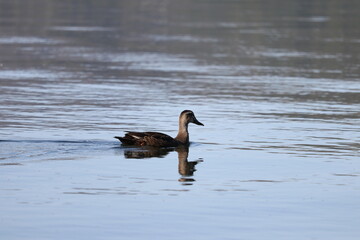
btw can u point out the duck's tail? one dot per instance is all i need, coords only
(125, 140)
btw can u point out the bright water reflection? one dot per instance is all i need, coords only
(276, 85)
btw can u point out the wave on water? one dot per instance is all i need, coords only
(14, 152)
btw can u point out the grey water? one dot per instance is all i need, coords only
(276, 84)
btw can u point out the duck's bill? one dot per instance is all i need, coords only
(197, 122)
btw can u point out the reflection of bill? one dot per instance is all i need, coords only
(186, 169)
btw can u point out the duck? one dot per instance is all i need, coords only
(156, 139)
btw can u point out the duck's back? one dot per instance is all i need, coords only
(154, 139)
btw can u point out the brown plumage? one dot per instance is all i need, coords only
(156, 139)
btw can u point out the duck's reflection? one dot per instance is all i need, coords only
(147, 152)
(186, 169)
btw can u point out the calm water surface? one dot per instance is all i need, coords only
(277, 86)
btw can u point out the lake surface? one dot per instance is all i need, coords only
(276, 84)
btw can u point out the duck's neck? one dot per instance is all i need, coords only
(183, 134)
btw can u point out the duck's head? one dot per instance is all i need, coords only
(187, 116)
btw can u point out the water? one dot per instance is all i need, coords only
(276, 85)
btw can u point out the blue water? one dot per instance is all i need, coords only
(276, 86)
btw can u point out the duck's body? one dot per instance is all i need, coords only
(157, 139)
(154, 139)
